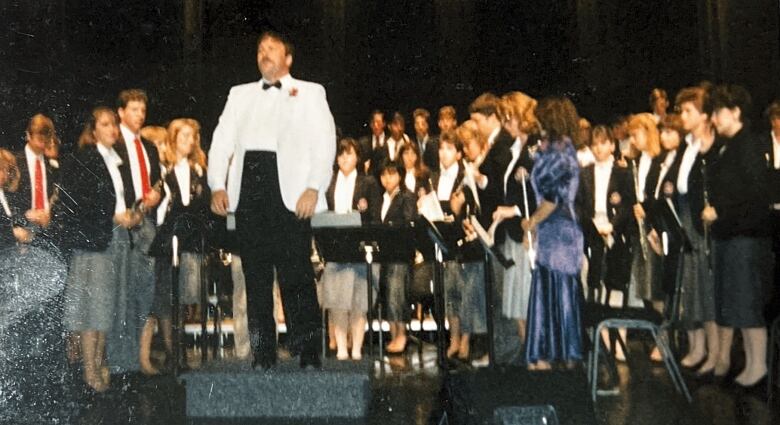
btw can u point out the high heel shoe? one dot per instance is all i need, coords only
(758, 388)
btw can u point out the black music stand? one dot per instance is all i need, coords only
(672, 221)
(490, 252)
(441, 236)
(366, 244)
(175, 309)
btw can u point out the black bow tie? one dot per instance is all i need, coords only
(267, 86)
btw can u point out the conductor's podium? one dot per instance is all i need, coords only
(232, 390)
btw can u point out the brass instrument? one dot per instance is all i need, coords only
(639, 221)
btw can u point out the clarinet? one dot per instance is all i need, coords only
(138, 205)
(640, 222)
(706, 195)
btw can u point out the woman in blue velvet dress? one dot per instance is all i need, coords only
(554, 317)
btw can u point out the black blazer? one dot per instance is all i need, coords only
(22, 198)
(696, 180)
(402, 210)
(189, 223)
(620, 202)
(513, 196)
(649, 204)
(739, 188)
(422, 181)
(497, 160)
(365, 188)
(445, 205)
(766, 149)
(7, 238)
(366, 144)
(379, 154)
(88, 201)
(430, 155)
(154, 163)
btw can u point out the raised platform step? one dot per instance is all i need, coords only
(231, 389)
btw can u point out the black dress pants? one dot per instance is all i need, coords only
(272, 238)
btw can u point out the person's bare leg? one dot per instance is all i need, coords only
(358, 331)
(655, 355)
(755, 354)
(88, 350)
(340, 320)
(465, 346)
(100, 358)
(695, 351)
(725, 339)
(399, 340)
(521, 327)
(331, 334)
(454, 336)
(713, 346)
(145, 347)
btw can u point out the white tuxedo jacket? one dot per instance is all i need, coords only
(295, 120)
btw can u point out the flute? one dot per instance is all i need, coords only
(640, 222)
(531, 250)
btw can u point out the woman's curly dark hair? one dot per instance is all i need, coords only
(558, 118)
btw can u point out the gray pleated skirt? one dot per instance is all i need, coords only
(344, 286)
(697, 290)
(92, 284)
(516, 281)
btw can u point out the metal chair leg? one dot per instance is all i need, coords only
(671, 365)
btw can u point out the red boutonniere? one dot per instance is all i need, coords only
(293, 92)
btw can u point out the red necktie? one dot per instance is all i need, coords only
(38, 203)
(145, 188)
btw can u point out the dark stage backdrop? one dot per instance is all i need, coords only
(62, 58)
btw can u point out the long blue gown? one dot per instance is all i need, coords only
(554, 311)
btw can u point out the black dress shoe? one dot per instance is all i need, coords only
(310, 359)
(758, 388)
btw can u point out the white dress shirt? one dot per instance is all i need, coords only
(602, 171)
(515, 150)
(344, 192)
(182, 170)
(393, 146)
(447, 179)
(776, 150)
(135, 168)
(4, 201)
(303, 136)
(585, 157)
(688, 158)
(387, 199)
(31, 158)
(493, 135)
(113, 161)
(378, 141)
(410, 180)
(645, 161)
(665, 166)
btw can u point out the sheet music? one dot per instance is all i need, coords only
(430, 207)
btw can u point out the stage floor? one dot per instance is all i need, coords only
(409, 392)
